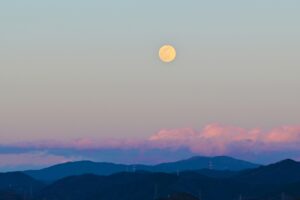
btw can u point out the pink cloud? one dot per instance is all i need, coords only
(284, 134)
(213, 139)
(216, 139)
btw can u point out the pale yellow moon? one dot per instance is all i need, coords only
(167, 53)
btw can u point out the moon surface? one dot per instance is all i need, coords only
(167, 53)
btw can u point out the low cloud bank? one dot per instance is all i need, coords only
(257, 145)
(216, 139)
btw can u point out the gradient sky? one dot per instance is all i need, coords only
(90, 69)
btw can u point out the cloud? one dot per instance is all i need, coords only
(254, 144)
(213, 139)
(216, 139)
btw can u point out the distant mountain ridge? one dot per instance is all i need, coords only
(216, 163)
(276, 181)
(189, 184)
(102, 168)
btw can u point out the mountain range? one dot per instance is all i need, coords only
(100, 168)
(276, 181)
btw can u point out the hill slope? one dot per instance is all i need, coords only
(15, 185)
(136, 186)
(147, 186)
(284, 172)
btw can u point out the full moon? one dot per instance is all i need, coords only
(167, 53)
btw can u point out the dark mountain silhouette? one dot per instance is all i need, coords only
(16, 185)
(84, 167)
(274, 182)
(180, 196)
(125, 186)
(10, 195)
(248, 184)
(284, 172)
(218, 173)
(135, 186)
(149, 186)
(292, 189)
(18, 180)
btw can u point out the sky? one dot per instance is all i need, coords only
(86, 73)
